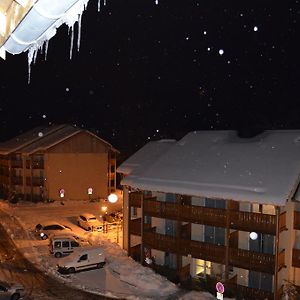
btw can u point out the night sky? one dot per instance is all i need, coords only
(147, 71)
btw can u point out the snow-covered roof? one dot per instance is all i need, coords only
(42, 138)
(145, 156)
(218, 164)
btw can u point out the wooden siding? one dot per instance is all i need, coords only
(82, 142)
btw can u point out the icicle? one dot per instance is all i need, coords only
(72, 39)
(99, 5)
(104, 2)
(79, 32)
(46, 49)
(156, 2)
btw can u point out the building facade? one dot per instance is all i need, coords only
(60, 162)
(248, 239)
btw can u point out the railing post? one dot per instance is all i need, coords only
(227, 233)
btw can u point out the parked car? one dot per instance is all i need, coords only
(60, 245)
(89, 222)
(82, 259)
(46, 229)
(11, 291)
(111, 218)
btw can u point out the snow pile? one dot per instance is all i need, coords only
(132, 272)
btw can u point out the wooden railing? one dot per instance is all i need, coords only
(257, 261)
(16, 163)
(282, 221)
(135, 199)
(248, 293)
(260, 262)
(239, 220)
(296, 258)
(35, 164)
(35, 181)
(297, 220)
(17, 180)
(258, 222)
(135, 226)
(281, 259)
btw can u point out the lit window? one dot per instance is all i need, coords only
(203, 267)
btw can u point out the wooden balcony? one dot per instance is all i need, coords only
(35, 164)
(248, 293)
(297, 220)
(296, 258)
(17, 180)
(135, 199)
(35, 181)
(239, 220)
(16, 163)
(246, 221)
(135, 226)
(260, 262)
(281, 260)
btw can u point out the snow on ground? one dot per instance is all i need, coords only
(121, 277)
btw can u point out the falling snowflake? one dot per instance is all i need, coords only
(40, 134)
(221, 51)
(255, 28)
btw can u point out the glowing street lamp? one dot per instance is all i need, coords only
(112, 198)
(104, 208)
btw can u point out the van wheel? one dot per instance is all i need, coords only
(100, 265)
(71, 270)
(44, 237)
(15, 296)
(58, 255)
(89, 229)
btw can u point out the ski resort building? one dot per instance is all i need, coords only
(216, 206)
(57, 162)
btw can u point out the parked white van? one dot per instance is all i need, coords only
(82, 259)
(61, 245)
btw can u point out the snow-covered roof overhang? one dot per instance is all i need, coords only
(25, 25)
(218, 164)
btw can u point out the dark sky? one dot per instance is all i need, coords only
(147, 71)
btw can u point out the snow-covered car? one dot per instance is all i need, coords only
(112, 218)
(11, 291)
(49, 228)
(89, 222)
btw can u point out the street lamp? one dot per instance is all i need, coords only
(112, 198)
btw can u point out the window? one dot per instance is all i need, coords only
(83, 257)
(259, 280)
(203, 267)
(3, 288)
(57, 244)
(65, 244)
(134, 211)
(214, 235)
(83, 218)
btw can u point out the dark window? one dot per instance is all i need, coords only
(83, 218)
(83, 257)
(3, 289)
(65, 244)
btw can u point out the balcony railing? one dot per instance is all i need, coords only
(135, 226)
(135, 199)
(257, 261)
(297, 220)
(248, 293)
(239, 220)
(16, 163)
(35, 164)
(296, 258)
(17, 180)
(260, 262)
(243, 220)
(35, 181)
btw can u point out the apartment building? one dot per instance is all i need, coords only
(60, 162)
(219, 206)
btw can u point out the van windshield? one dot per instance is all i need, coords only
(92, 219)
